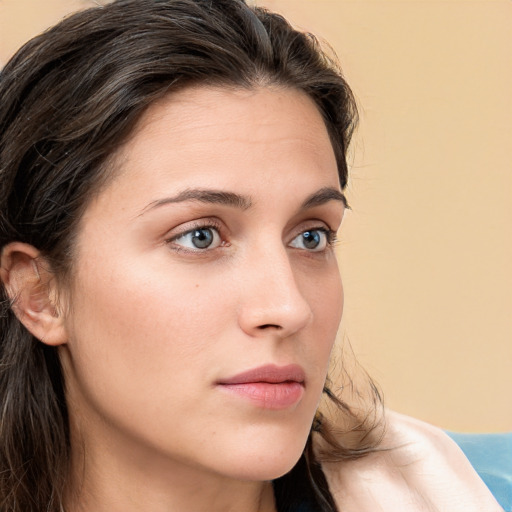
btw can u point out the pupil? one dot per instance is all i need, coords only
(202, 238)
(311, 239)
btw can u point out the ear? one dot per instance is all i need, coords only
(32, 289)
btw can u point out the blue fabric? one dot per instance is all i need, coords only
(491, 456)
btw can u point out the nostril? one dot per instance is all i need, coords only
(269, 326)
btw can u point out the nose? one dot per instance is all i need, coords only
(271, 301)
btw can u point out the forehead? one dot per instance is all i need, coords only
(209, 129)
(267, 144)
(196, 108)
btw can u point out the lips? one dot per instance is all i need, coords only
(269, 387)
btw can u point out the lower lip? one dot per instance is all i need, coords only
(268, 395)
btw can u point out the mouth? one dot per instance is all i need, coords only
(269, 387)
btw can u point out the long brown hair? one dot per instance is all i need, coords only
(69, 98)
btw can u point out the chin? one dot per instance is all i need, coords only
(263, 461)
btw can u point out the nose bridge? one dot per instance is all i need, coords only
(271, 297)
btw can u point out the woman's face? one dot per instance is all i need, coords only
(205, 295)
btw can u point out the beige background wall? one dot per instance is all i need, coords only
(426, 253)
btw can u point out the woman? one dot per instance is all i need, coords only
(172, 179)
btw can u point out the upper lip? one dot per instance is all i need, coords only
(270, 373)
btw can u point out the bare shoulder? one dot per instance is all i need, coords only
(418, 469)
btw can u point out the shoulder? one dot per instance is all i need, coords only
(418, 468)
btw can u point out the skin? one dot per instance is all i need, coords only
(152, 324)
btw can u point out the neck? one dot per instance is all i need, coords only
(94, 497)
(119, 478)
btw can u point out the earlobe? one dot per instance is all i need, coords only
(31, 288)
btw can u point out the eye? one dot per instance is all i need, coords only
(315, 240)
(199, 238)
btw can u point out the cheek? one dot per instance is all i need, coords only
(141, 353)
(136, 330)
(146, 342)
(147, 314)
(324, 294)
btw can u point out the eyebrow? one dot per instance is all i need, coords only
(204, 196)
(210, 196)
(324, 195)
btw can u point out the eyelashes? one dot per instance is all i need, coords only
(314, 240)
(208, 236)
(199, 239)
